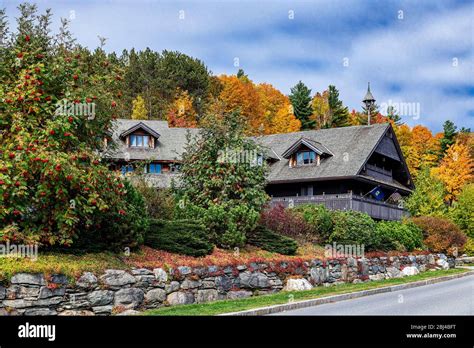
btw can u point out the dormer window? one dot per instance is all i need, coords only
(305, 158)
(139, 141)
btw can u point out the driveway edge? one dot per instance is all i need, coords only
(341, 297)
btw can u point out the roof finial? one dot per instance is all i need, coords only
(369, 101)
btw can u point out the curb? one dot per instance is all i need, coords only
(341, 297)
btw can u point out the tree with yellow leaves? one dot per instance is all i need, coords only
(181, 112)
(139, 111)
(321, 114)
(456, 170)
(285, 121)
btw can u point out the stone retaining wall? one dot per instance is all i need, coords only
(124, 292)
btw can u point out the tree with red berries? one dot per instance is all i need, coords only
(57, 102)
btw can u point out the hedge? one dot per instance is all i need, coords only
(265, 239)
(179, 236)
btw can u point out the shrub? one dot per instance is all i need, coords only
(353, 227)
(469, 247)
(179, 236)
(266, 239)
(159, 202)
(318, 217)
(440, 234)
(287, 222)
(395, 235)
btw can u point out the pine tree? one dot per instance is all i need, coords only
(393, 116)
(339, 114)
(300, 98)
(449, 133)
(374, 111)
(139, 111)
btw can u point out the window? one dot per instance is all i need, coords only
(305, 157)
(127, 169)
(153, 168)
(139, 140)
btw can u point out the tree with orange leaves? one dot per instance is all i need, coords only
(456, 170)
(181, 112)
(425, 149)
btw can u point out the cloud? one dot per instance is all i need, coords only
(424, 57)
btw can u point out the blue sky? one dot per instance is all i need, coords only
(415, 52)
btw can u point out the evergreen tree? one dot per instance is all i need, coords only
(300, 98)
(393, 116)
(374, 111)
(139, 111)
(339, 114)
(449, 135)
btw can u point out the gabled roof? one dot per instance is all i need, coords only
(137, 126)
(317, 147)
(350, 148)
(169, 148)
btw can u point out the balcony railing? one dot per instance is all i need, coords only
(346, 201)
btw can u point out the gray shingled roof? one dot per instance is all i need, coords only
(350, 146)
(169, 147)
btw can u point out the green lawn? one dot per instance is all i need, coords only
(227, 306)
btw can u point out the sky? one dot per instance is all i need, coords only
(417, 55)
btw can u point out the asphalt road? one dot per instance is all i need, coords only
(452, 297)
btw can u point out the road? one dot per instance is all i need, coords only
(453, 297)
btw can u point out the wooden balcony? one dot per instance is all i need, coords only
(346, 201)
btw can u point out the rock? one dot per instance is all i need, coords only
(363, 266)
(40, 311)
(77, 301)
(443, 263)
(129, 298)
(28, 278)
(180, 297)
(3, 292)
(74, 312)
(234, 295)
(141, 271)
(442, 256)
(144, 280)
(184, 270)
(318, 275)
(206, 295)
(422, 268)
(103, 309)
(87, 281)
(275, 282)
(190, 284)
(410, 271)
(19, 291)
(117, 278)
(357, 281)
(155, 296)
(223, 283)
(241, 267)
(129, 312)
(254, 280)
(297, 285)
(172, 287)
(100, 297)
(378, 276)
(393, 272)
(46, 292)
(160, 275)
(431, 259)
(207, 284)
(18, 303)
(59, 279)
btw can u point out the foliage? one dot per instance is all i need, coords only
(300, 98)
(266, 239)
(318, 218)
(290, 223)
(339, 114)
(462, 211)
(179, 236)
(139, 111)
(469, 247)
(449, 135)
(428, 197)
(353, 227)
(221, 183)
(159, 203)
(182, 113)
(456, 170)
(393, 116)
(395, 235)
(440, 234)
(320, 106)
(53, 188)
